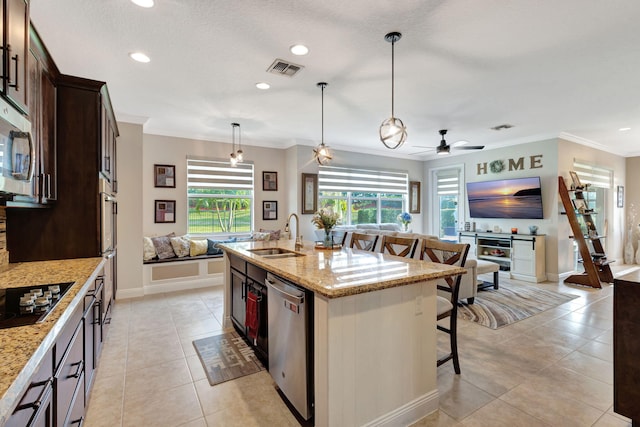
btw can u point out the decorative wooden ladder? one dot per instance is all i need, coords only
(596, 265)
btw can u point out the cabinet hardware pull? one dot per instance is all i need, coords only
(48, 186)
(15, 58)
(36, 404)
(78, 372)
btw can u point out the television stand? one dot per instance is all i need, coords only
(521, 255)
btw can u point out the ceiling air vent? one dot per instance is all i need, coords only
(284, 68)
(502, 127)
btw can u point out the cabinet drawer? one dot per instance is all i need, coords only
(256, 273)
(66, 335)
(238, 263)
(35, 404)
(76, 412)
(69, 374)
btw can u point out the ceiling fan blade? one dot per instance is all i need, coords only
(470, 147)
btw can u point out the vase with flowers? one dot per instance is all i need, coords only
(325, 219)
(405, 219)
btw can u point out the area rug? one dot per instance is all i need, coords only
(226, 357)
(496, 308)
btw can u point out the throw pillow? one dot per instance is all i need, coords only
(180, 245)
(273, 234)
(212, 245)
(148, 250)
(198, 247)
(257, 236)
(163, 246)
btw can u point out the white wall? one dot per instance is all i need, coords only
(174, 151)
(632, 200)
(130, 217)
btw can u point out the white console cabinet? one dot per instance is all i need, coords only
(522, 255)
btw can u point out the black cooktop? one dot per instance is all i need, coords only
(10, 315)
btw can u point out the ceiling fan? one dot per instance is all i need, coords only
(445, 148)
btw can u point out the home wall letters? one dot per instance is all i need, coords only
(497, 166)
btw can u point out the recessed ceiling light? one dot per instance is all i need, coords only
(624, 129)
(140, 57)
(263, 85)
(299, 49)
(143, 3)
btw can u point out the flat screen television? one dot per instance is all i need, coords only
(505, 198)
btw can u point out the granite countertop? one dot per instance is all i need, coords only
(339, 273)
(22, 348)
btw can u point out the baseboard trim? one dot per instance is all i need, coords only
(410, 412)
(129, 293)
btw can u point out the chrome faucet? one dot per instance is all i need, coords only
(288, 230)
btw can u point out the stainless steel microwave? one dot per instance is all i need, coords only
(16, 152)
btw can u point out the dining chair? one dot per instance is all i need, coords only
(451, 254)
(399, 246)
(364, 242)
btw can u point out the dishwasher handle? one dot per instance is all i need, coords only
(279, 288)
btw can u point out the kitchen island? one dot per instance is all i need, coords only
(374, 332)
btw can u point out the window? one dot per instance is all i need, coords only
(220, 197)
(447, 202)
(362, 196)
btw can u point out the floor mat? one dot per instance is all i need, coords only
(226, 357)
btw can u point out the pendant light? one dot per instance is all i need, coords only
(233, 158)
(239, 153)
(322, 153)
(393, 132)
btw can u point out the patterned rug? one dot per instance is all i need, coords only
(226, 357)
(496, 308)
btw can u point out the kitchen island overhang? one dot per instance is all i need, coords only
(374, 330)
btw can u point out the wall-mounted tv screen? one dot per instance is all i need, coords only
(505, 198)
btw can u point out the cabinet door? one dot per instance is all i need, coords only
(16, 44)
(48, 138)
(523, 258)
(35, 407)
(471, 241)
(238, 299)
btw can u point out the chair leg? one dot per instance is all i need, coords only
(471, 300)
(495, 280)
(454, 342)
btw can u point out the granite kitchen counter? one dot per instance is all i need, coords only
(339, 273)
(22, 348)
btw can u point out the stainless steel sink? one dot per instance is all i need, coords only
(275, 253)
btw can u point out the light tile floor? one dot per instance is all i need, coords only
(553, 369)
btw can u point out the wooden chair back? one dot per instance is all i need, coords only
(399, 246)
(364, 242)
(446, 253)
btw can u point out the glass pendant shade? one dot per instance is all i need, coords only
(233, 160)
(322, 153)
(393, 133)
(234, 157)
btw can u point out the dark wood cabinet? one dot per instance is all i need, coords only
(246, 277)
(42, 114)
(15, 51)
(36, 406)
(69, 375)
(72, 228)
(626, 346)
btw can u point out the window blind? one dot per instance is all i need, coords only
(448, 182)
(595, 175)
(215, 174)
(332, 178)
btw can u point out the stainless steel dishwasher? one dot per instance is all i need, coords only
(290, 311)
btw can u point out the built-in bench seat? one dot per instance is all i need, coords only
(172, 274)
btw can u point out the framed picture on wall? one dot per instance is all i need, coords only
(269, 210)
(269, 181)
(164, 176)
(309, 193)
(165, 211)
(414, 197)
(620, 196)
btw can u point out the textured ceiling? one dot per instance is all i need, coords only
(551, 68)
